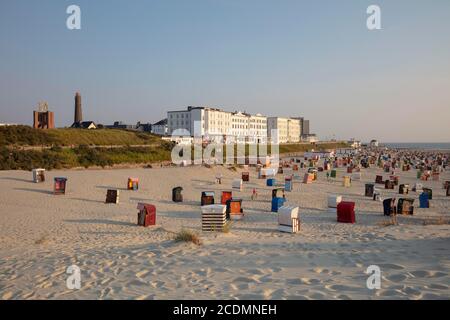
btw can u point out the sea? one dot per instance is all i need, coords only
(418, 145)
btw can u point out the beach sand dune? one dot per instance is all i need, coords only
(42, 234)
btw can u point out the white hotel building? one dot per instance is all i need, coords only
(215, 124)
(288, 129)
(209, 123)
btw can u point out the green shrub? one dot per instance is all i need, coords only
(187, 236)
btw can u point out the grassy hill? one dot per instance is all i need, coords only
(27, 136)
(69, 148)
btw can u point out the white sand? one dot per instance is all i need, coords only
(42, 234)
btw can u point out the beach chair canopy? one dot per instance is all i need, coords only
(277, 192)
(405, 206)
(389, 206)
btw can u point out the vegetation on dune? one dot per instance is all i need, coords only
(187, 236)
(27, 136)
(24, 136)
(70, 148)
(102, 137)
(27, 160)
(305, 147)
(82, 156)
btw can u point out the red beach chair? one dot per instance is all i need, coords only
(346, 212)
(146, 215)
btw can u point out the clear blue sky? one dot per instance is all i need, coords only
(134, 60)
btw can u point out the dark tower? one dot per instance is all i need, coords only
(78, 113)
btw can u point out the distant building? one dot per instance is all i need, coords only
(145, 127)
(305, 127)
(42, 118)
(85, 125)
(210, 123)
(345, 152)
(257, 129)
(294, 130)
(305, 133)
(121, 125)
(78, 117)
(160, 128)
(237, 127)
(374, 143)
(312, 138)
(288, 129)
(354, 143)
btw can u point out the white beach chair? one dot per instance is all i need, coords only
(214, 217)
(237, 184)
(288, 219)
(334, 200)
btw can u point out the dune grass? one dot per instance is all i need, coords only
(436, 221)
(187, 236)
(82, 156)
(27, 136)
(21, 148)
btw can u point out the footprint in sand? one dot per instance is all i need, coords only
(293, 282)
(201, 272)
(388, 293)
(106, 281)
(437, 286)
(391, 266)
(249, 297)
(146, 297)
(340, 287)
(317, 296)
(278, 294)
(8, 295)
(239, 286)
(397, 277)
(245, 279)
(254, 272)
(421, 274)
(437, 274)
(432, 296)
(410, 291)
(321, 271)
(105, 292)
(143, 273)
(343, 297)
(156, 284)
(309, 281)
(219, 269)
(265, 279)
(137, 283)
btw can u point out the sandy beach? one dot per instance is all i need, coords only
(42, 234)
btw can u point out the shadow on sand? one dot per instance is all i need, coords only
(111, 188)
(34, 190)
(101, 221)
(17, 179)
